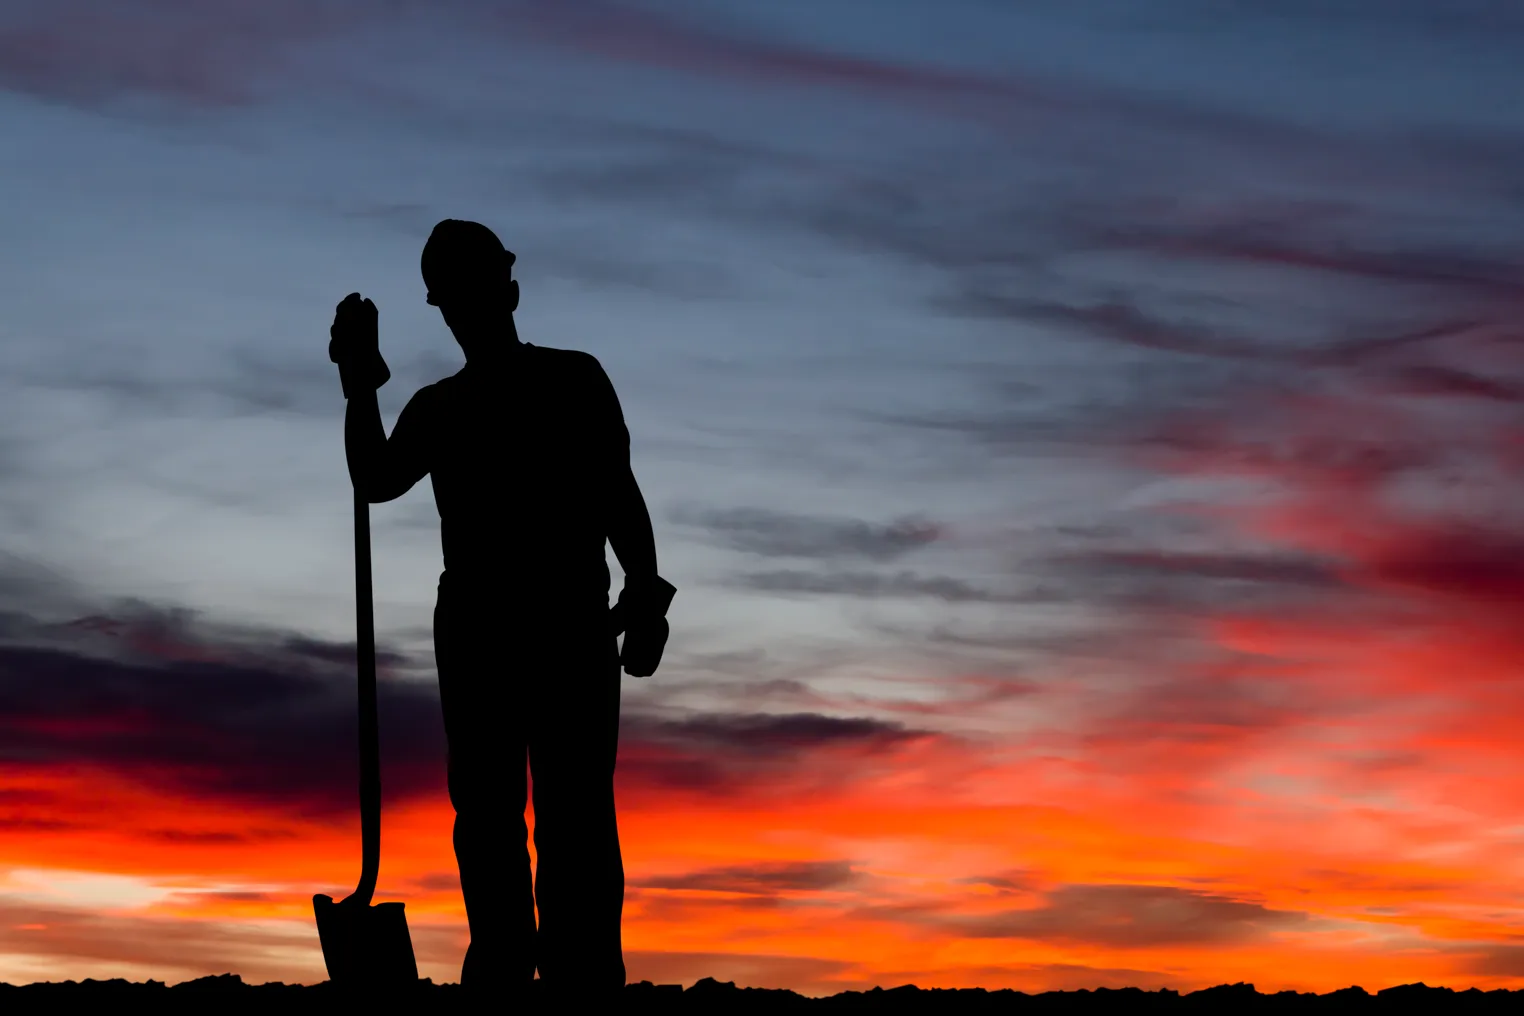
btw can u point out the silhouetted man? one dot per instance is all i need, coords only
(530, 462)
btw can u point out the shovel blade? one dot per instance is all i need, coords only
(365, 947)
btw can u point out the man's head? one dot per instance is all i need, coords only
(469, 277)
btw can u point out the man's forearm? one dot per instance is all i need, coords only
(630, 534)
(364, 440)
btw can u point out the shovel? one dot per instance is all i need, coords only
(366, 946)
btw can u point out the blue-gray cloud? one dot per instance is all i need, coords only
(212, 54)
(771, 533)
(879, 585)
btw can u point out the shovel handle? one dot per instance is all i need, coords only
(370, 751)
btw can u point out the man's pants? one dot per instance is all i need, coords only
(549, 687)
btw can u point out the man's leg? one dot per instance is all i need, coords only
(484, 726)
(572, 744)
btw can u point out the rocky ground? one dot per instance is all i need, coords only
(227, 993)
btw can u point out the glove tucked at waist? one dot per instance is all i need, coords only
(641, 614)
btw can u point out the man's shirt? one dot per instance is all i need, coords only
(526, 459)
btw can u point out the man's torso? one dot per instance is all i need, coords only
(521, 468)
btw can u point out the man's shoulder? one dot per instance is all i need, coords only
(431, 391)
(429, 399)
(564, 359)
(571, 372)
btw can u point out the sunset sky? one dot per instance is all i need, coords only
(1087, 438)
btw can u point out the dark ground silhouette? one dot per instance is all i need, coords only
(226, 993)
(529, 457)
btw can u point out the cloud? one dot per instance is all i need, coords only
(1441, 381)
(653, 272)
(1477, 271)
(659, 167)
(1125, 323)
(215, 54)
(1332, 549)
(262, 721)
(1463, 564)
(272, 730)
(771, 735)
(763, 754)
(748, 53)
(875, 585)
(52, 943)
(1257, 568)
(255, 718)
(438, 881)
(625, 32)
(1203, 719)
(1158, 579)
(1474, 20)
(1497, 961)
(261, 734)
(1112, 320)
(1135, 916)
(1174, 170)
(770, 533)
(211, 54)
(759, 879)
(1004, 883)
(246, 382)
(78, 939)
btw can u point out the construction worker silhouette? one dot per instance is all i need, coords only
(530, 462)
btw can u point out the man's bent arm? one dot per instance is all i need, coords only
(630, 532)
(629, 521)
(384, 470)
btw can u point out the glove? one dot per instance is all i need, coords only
(641, 615)
(353, 345)
(644, 642)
